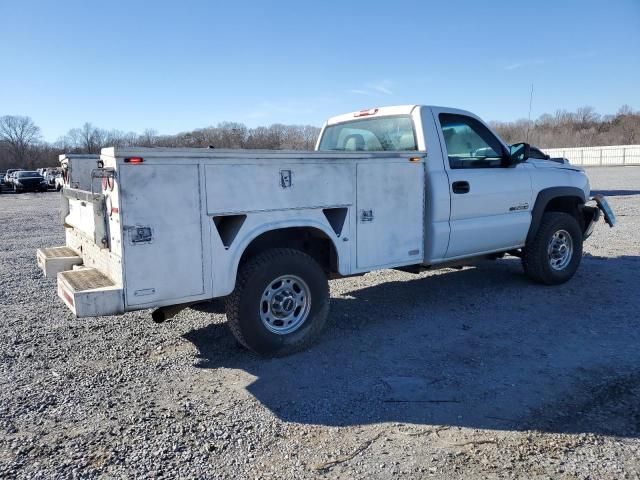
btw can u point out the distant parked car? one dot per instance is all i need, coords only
(12, 178)
(8, 174)
(50, 176)
(25, 181)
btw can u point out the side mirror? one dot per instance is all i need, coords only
(519, 152)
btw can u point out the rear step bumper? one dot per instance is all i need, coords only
(89, 293)
(57, 259)
(86, 291)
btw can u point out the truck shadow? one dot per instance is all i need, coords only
(615, 193)
(479, 348)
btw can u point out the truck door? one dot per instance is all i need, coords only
(390, 205)
(162, 235)
(490, 203)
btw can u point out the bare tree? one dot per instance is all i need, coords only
(586, 116)
(19, 134)
(148, 138)
(89, 139)
(582, 128)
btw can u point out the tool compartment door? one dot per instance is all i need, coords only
(162, 233)
(390, 213)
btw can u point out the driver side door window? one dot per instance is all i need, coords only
(469, 143)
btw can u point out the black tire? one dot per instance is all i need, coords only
(536, 259)
(244, 305)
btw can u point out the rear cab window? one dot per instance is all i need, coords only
(390, 133)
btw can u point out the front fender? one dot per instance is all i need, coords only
(544, 197)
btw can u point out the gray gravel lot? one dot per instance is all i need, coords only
(473, 373)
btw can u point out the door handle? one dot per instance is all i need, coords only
(460, 187)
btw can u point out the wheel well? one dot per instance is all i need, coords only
(570, 205)
(564, 204)
(568, 200)
(312, 241)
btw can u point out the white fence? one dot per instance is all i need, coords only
(613, 155)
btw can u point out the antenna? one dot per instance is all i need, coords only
(529, 121)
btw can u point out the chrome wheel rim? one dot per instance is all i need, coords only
(285, 304)
(560, 250)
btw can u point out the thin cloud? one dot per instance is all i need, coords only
(360, 92)
(257, 114)
(382, 87)
(286, 107)
(579, 56)
(541, 61)
(374, 89)
(526, 63)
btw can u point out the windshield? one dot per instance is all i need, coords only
(370, 135)
(28, 175)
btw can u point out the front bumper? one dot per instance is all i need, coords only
(593, 212)
(30, 187)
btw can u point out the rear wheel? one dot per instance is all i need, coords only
(553, 255)
(280, 303)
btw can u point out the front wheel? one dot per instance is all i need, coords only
(553, 255)
(280, 303)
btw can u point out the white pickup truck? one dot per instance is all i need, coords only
(407, 187)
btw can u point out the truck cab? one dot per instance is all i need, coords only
(481, 195)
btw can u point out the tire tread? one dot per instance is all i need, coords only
(531, 262)
(245, 272)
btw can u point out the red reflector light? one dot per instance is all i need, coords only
(134, 160)
(364, 113)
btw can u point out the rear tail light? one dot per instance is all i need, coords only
(134, 160)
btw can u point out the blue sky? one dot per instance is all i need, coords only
(175, 66)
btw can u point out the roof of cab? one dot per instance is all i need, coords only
(376, 111)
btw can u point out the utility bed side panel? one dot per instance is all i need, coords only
(233, 188)
(390, 214)
(162, 234)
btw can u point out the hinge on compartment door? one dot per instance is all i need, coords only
(285, 178)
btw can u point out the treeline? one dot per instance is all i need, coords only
(582, 128)
(21, 143)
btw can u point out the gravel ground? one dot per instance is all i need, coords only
(472, 373)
